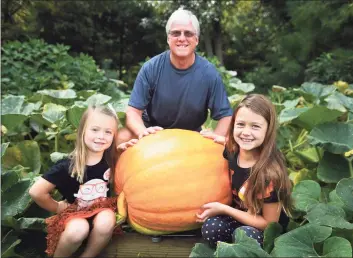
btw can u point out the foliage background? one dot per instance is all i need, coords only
(60, 56)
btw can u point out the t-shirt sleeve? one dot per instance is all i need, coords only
(225, 154)
(56, 172)
(142, 90)
(218, 101)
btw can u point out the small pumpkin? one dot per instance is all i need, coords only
(166, 177)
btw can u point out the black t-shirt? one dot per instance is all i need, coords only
(239, 176)
(95, 184)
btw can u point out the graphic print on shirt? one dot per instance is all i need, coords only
(92, 191)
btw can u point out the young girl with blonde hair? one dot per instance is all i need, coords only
(260, 184)
(86, 210)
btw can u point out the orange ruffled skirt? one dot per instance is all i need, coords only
(56, 224)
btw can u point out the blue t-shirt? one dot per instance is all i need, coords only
(173, 98)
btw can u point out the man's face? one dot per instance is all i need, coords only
(182, 39)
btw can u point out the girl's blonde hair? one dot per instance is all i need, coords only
(78, 156)
(270, 166)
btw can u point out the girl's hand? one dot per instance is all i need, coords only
(62, 205)
(215, 137)
(210, 210)
(123, 146)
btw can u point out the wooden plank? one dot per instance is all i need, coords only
(138, 245)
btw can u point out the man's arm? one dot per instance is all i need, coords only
(134, 120)
(135, 123)
(222, 126)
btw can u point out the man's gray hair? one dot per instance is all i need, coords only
(183, 15)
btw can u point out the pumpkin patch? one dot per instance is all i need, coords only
(164, 179)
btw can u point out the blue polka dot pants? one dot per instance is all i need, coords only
(222, 227)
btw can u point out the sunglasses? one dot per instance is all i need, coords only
(177, 33)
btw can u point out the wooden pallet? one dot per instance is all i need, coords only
(137, 245)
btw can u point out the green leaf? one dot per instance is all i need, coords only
(291, 104)
(316, 115)
(8, 179)
(334, 137)
(4, 147)
(288, 115)
(272, 231)
(306, 194)
(300, 241)
(339, 101)
(244, 247)
(56, 156)
(328, 215)
(74, 114)
(12, 104)
(241, 86)
(53, 113)
(201, 250)
(59, 94)
(316, 90)
(344, 190)
(332, 168)
(337, 247)
(11, 121)
(24, 153)
(31, 223)
(16, 200)
(8, 245)
(309, 155)
(30, 107)
(97, 99)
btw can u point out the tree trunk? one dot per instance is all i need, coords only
(218, 41)
(208, 42)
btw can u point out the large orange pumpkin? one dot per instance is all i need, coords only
(166, 177)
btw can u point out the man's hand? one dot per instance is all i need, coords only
(207, 133)
(123, 146)
(150, 130)
(210, 210)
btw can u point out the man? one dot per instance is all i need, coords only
(175, 89)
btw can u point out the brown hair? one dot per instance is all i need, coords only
(270, 167)
(79, 155)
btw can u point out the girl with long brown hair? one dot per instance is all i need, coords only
(86, 211)
(260, 183)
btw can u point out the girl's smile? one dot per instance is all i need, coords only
(249, 129)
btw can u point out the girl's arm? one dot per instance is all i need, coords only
(270, 213)
(40, 193)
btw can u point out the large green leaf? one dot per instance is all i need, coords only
(344, 190)
(337, 247)
(12, 104)
(334, 137)
(288, 115)
(11, 121)
(4, 147)
(244, 247)
(306, 194)
(316, 90)
(201, 250)
(16, 199)
(98, 99)
(24, 153)
(74, 114)
(327, 214)
(53, 112)
(272, 231)
(56, 156)
(241, 86)
(59, 94)
(31, 223)
(332, 168)
(300, 241)
(338, 100)
(8, 245)
(309, 155)
(315, 116)
(8, 179)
